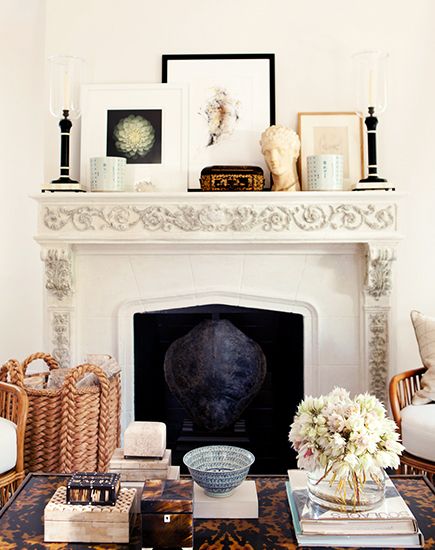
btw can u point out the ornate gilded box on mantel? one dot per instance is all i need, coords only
(232, 178)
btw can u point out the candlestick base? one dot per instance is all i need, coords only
(372, 178)
(64, 179)
(373, 183)
(63, 185)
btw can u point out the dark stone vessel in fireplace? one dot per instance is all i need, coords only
(215, 371)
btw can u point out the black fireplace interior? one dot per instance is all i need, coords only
(263, 426)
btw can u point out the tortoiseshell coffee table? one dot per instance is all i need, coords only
(21, 520)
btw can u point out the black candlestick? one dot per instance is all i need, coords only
(371, 122)
(372, 182)
(65, 128)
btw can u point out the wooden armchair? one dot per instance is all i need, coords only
(13, 408)
(402, 388)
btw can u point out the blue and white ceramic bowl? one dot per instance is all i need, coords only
(218, 469)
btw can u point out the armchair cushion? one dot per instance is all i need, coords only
(424, 328)
(418, 430)
(8, 445)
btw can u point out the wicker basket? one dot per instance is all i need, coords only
(69, 428)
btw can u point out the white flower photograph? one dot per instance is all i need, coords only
(135, 135)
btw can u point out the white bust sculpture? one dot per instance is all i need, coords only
(280, 147)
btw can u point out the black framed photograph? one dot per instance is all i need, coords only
(231, 102)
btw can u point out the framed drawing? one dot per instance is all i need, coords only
(231, 102)
(333, 133)
(144, 123)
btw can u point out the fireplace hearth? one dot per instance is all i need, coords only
(263, 426)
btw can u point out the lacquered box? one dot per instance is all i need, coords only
(232, 178)
(167, 513)
(93, 488)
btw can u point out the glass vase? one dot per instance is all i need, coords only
(357, 493)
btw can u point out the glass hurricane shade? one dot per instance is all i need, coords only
(65, 80)
(370, 80)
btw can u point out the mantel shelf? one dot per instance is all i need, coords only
(216, 197)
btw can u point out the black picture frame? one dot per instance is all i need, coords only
(247, 81)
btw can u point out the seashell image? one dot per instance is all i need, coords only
(221, 113)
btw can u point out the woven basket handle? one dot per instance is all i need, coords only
(49, 360)
(14, 370)
(17, 375)
(69, 390)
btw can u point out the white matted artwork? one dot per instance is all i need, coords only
(146, 124)
(231, 102)
(333, 134)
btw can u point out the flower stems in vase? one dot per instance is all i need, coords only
(345, 444)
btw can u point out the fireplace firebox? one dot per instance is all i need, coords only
(263, 426)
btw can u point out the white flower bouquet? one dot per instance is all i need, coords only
(349, 440)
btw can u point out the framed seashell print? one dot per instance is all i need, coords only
(146, 124)
(231, 102)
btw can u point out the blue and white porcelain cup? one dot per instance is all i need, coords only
(108, 173)
(324, 173)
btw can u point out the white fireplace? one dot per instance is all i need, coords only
(327, 256)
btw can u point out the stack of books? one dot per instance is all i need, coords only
(390, 525)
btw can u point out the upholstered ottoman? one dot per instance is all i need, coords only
(8, 445)
(418, 430)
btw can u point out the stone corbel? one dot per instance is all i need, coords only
(378, 282)
(58, 272)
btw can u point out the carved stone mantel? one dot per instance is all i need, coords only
(279, 220)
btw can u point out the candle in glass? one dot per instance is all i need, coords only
(66, 91)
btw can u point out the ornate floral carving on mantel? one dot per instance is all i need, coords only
(220, 218)
(58, 272)
(379, 271)
(60, 326)
(378, 353)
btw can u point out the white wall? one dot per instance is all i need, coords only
(313, 41)
(21, 167)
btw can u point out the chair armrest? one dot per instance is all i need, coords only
(14, 406)
(402, 388)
